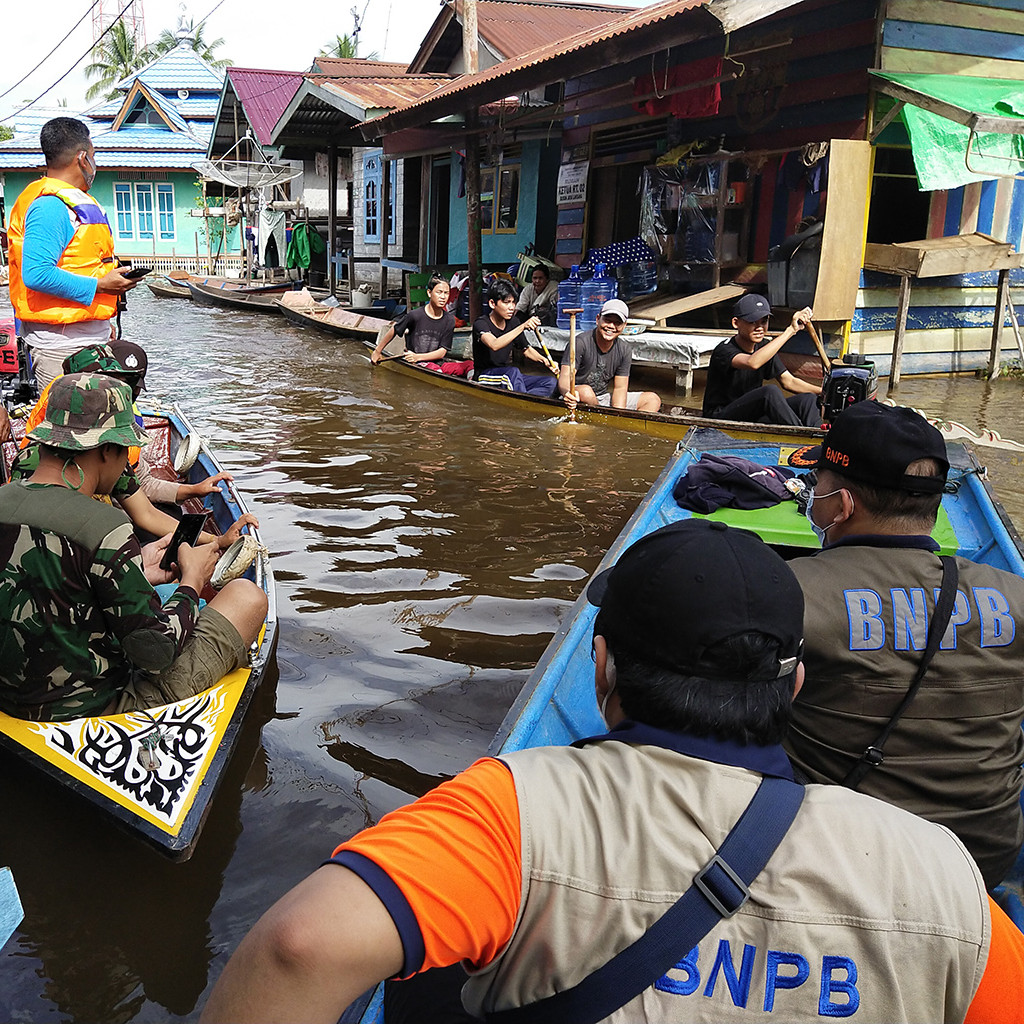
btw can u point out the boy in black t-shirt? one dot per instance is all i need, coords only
(739, 367)
(500, 333)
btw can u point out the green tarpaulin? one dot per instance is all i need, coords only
(946, 114)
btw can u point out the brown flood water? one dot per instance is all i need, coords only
(426, 545)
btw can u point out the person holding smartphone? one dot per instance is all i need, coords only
(64, 276)
(82, 629)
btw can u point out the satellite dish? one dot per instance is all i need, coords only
(183, 94)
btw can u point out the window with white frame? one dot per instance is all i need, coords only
(144, 207)
(123, 207)
(165, 209)
(373, 176)
(145, 210)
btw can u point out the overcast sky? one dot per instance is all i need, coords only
(256, 33)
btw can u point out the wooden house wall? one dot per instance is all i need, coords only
(981, 38)
(804, 79)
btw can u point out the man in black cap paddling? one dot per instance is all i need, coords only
(739, 368)
(874, 598)
(555, 874)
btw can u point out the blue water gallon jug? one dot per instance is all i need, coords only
(569, 297)
(596, 292)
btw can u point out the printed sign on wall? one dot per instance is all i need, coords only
(572, 183)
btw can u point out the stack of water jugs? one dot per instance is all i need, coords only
(590, 295)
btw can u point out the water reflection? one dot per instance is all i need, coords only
(426, 546)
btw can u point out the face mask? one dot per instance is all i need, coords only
(610, 676)
(819, 531)
(90, 176)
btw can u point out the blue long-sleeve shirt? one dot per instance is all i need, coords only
(48, 231)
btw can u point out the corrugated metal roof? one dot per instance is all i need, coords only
(511, 27)
(508, 27)
(264, 95)
(527, 71)
(359, 67)
(382, 93)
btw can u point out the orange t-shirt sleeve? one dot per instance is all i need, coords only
(447, 868)
(1000, 996)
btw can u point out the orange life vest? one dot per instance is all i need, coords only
(90, 253)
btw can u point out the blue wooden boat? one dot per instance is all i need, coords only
(556, 706)
(99, 757)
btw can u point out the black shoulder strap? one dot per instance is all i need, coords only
(873, 756)
(718, 891)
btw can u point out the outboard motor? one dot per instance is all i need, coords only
(855, 380)
(17, 378)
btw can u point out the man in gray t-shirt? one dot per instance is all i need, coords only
(603, 358)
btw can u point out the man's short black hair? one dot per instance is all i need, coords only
(756, 711)
(61, 138)
(500, 289)
(898, 507)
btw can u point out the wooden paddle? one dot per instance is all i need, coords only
(823, 355)
(572, 355)
(551, 358)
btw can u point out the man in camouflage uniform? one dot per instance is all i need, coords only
(137, 489)
(82, 631)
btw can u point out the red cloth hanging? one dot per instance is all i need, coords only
(700, 102)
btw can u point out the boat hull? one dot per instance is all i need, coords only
(262, 300)
(98, 757)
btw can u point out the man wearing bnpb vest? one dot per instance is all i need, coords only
(679, 830)
(872, 595)
(64, 280)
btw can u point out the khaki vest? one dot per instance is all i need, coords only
(861, 905)
(955, 756)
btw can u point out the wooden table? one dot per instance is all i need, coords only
(938, 257)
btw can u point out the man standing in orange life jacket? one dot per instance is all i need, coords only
(64, 279)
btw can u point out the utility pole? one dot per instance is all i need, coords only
(471, 60)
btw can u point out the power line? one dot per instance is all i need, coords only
(21, 110)
(95, 4)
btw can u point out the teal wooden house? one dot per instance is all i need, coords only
(146, 140)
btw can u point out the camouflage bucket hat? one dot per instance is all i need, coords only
(94, 359)
(85, 410)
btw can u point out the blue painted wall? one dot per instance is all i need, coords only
(502, 248)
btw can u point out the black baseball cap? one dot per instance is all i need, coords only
(688, 586)
(132, 358)
(751, 307)
(874, 443)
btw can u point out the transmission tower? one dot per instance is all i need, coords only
(106, 13)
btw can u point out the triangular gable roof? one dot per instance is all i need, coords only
(139, 94)
(325, 109)
(648, 30)
(264, 95)
(508, 27)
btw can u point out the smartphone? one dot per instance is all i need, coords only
(137, 272)
(186, 532)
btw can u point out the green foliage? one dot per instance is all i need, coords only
(344, 47)
(115, 56)
(214, 225)
(6, 132)
(168, 40)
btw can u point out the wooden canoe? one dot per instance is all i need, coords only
(98, 758)
(237, 295)
(341, 321)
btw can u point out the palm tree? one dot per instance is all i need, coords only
(345, 47)
(114, 57)
(168, 40)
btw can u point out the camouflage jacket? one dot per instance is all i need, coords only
(77, 614)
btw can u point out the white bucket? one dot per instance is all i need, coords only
(362, 300)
